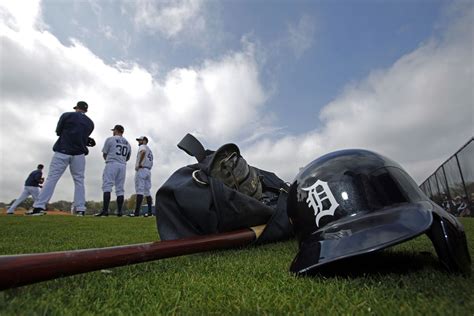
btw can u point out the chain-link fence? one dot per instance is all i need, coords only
(452, 184)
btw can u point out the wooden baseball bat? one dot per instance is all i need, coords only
(18, 270)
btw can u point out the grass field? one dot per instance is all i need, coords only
(405, 280)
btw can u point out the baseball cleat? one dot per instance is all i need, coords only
(102, 214)
(36, 212)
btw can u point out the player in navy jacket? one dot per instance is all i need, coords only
(32, 187)
(73, 129)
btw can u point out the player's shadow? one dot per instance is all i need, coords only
(379, 263)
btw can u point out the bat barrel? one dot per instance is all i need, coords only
(21, 270)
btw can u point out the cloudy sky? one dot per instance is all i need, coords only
(287, 81)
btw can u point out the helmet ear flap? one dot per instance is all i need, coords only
(450, 244)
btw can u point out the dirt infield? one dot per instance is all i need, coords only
(21, 211)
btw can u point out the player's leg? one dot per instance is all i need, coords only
(58, 165)
(107, 184)
(34, 192)
(119, 186)
(139, 189)
(149, 202)
(138, 204)
(105, 205)
(147, 191)
(77, 168)
(24, 194)
(120, 200)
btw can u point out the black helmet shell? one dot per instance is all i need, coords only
(353, 202)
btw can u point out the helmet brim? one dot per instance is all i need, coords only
(362, 234)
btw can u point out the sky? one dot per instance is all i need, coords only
(287, 81)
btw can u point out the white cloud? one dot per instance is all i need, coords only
(300, 36)
(418, 112)
(170, 18)
(41, 78)
(18, 16)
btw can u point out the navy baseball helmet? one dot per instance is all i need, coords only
(354, 202)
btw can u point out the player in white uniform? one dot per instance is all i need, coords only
(143, 175)
(116, 153)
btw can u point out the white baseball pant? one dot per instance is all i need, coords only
(27, 191)
(143, 181)
(114, 174)
(59, 163)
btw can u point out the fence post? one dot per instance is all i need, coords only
(462, 177)
(446, 180)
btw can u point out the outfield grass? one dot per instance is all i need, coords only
(405, 280)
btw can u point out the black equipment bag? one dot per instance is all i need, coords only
(221, 193)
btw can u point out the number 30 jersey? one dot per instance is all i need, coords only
(117, 149)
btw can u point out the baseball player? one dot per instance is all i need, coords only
(32, 187)
(143, 176)
(116, 153)
(73, 129)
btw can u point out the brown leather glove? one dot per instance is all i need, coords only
(232, 169)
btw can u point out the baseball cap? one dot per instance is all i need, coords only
(118, 128)
(142, 138)
(81, 105)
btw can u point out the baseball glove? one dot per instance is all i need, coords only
(232, 169)
(90, 142)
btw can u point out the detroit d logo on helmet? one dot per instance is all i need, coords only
(318, 193)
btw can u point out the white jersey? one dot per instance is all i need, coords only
(148, 160)
(117, 149)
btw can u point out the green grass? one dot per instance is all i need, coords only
(405, 280)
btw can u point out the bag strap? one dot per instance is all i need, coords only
(192, 147)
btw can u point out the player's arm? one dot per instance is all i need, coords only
(38, 177)
(59, 127)
(141, 157)
(129, 153)
(105, 149)
(91, 127)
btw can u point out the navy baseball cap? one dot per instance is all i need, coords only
(143, 138)
(82, 106)
(118, 128)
